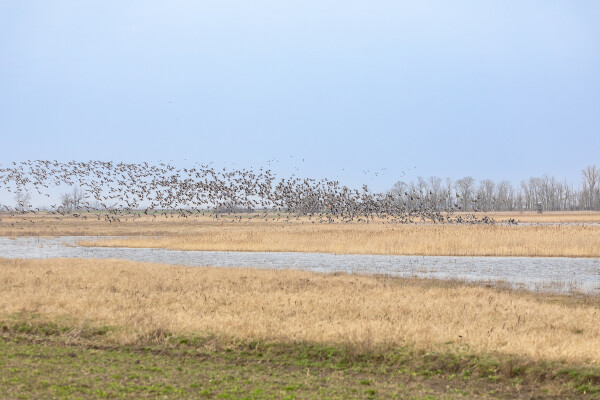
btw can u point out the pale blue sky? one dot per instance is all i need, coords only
(491, 89)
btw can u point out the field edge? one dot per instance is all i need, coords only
(338, 370)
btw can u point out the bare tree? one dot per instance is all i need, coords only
(398, 192)
(23, 200)
(66, 202)
(464, 188)
(435, 192)
(485, 195)
(591, 176)
(72, 201)
(449, 197)
(77, 196)
(501, 196)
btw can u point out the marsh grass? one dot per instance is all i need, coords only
(433, 240)
(205, 233)
(154, 301)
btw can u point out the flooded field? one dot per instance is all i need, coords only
(556, 274)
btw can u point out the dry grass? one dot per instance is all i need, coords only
(302, 306)
(88, 225)
(205, 233)
(558, 217)
(452, 240)
(45, 225)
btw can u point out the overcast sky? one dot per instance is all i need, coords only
(492, 89)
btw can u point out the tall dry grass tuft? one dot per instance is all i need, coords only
(300, 306)
(438, 240)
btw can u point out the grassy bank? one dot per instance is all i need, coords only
(432, 240)
(366, 312)
(205, 233)
(72, 328)
(43, 358)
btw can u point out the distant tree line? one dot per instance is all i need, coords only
(467, 194)
(138, 188)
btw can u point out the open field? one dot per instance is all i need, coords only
(296, 306)
(72, 328)
(205, 233)
(51, 359)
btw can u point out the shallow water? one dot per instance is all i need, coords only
(562, 275)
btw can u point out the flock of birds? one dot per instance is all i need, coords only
(109, 191)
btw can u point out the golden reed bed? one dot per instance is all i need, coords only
(206, 233)
(451, 240)
(302, 306)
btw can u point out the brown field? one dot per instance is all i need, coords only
(296, 306)
(88, 225)
(562, 217)
(206, 233)
(454, 240)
